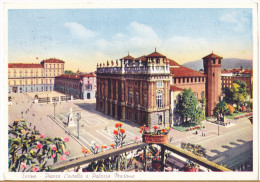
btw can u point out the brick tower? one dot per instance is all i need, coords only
(212, 68)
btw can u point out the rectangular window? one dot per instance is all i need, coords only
(174, 80)
(202, 79)
(159, 99)
(219, 61)
(159, 84)
(183, 80)
(188, 80)
(160, 120)
(130, 97)
(195, 79)
(191, 79)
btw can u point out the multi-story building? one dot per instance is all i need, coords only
(229, 76)
(145, 90)
(136, 89)
(33, 77)
(79, 86)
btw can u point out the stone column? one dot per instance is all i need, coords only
(123, 113)
(122, 90)
(149, 95)
(116, 113)
(116, 90)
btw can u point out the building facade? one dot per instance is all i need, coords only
(229, 76)
(135, 89)
(79, 86)
(32, 77)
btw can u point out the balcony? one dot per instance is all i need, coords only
(137, 157)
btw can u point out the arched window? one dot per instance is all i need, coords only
(159, 99)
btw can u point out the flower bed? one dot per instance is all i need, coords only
(193, 128)
(242, 116)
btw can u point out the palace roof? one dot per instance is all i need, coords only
(52, 60)
(173, 63)
(174, 88)
(182, 71)
(24, 65)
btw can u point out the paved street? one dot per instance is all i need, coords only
(96, 127)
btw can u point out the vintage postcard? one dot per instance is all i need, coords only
(122, 90)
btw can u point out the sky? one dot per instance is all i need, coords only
(84, 37)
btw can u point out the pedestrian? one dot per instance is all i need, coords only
(202, 133)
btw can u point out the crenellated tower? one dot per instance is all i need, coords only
(212, 68)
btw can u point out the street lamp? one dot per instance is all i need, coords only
(218, 127)
(54, 105)
(78, 118)
(47, 98)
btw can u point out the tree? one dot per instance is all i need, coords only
(237, 93)
(221, 109)
(69, 72)
(231, 109)
(187, 106)
(31, 151)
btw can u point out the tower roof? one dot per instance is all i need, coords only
(155, 54)
(128, 57)
(212, 55)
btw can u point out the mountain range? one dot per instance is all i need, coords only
(227, 63)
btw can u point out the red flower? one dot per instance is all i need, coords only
(122, 130)
(53, 155)
(140, 131)
(35, 169)
(83, 150)
(142, 127)
(164, 130)
(112, 145)
(155, 127)
(23, 165)
(67, 152)
(54, 148)
(39, 146)
(42, 136)
(115, 132)
(66, 139)
(62, 158)
(118, 125)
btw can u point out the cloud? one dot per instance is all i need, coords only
(237, 20)
(141, 30)
(79, 31)
(183, 49)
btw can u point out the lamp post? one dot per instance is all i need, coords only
(54, 105)
(78, 118)
(218, 127)
(47, 98)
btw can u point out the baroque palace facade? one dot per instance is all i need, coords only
(145, 90)
(33, 77)
(137, 90)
